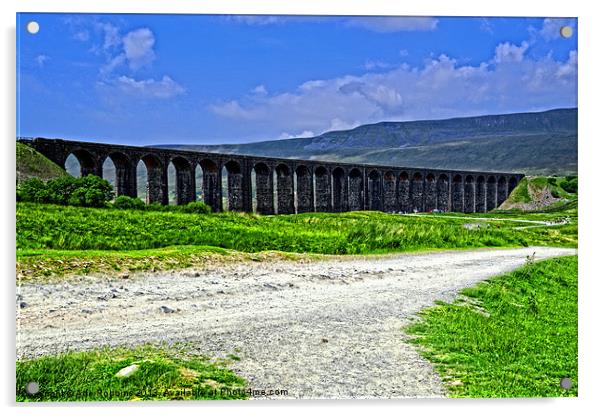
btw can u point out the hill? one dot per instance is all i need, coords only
(542, 143)
(536, 193)
(32, 164)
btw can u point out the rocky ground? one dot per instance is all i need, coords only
(319, 330)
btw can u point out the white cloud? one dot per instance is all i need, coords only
(42, 59)
(260, 20)
(110, 34)
(442, 88)
(82, 36)
(113, 63)
(303, 134)
(381, 24)
(135, 49)
(569, 69)
(388, 24)
(382, 95)
(232, 109)
(260, 90)
(164, 88)
(336, 124)
(124, 55)
(309, 85)
(372, 65)
(486, 25)
(507, 52)
(138, 47)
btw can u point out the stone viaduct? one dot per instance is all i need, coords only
(285, 185)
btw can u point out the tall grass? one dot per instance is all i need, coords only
(76, 228)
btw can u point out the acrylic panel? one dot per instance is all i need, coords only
(268, 207)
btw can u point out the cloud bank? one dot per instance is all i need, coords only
(442, 88)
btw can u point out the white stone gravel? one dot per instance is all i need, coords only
(328, 329)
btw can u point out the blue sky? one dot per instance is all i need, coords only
(150, 79)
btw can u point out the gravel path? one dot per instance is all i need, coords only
(323, 329)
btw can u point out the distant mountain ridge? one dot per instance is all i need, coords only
(533, 143)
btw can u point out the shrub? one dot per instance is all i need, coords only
(157, 207)
(195, 207)
(90, 191)
(32, 190)
(126, 202)
(87, 197)
(60, 190)
(570, 185)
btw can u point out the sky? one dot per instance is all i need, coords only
(213, 79)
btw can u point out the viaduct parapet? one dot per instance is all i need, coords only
(273, 185)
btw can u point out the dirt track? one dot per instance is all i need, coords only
(324, 329)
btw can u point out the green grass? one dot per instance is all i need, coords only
(163, 374)
(72, 228)
(512, 336)
(520, 194)
(31, 164)
(57, 240)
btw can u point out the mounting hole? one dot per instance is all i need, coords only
(32, 27)
(566, 383)
(32, 388)
(566, 31)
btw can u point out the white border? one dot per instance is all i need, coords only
(590, 112)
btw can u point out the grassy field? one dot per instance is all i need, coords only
(52, 239)
(74, 228)
(163, 374)
(511, 336)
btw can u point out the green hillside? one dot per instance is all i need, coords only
(32, 164)
(538, 154)
(543, 193)
(542, 143)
